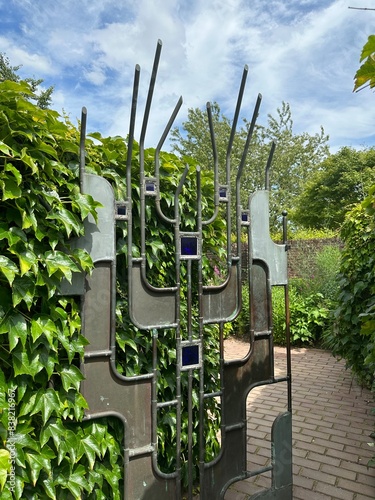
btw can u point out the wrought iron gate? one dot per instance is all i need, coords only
(134, 399)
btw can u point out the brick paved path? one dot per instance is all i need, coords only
(332, 422)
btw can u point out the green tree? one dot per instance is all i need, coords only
(7, 72)
(343, 179)
(296, 157)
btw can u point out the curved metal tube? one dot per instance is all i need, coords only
(157, 162)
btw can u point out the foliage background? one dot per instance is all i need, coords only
(41, 344)
(57, 454)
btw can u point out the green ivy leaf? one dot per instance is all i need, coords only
(4, 467)
(49, 488)
(14, 171)
(16, 326)
(68, 445)
(39, 461)
(86, 205)
(23, 441)
(27, 260)
(59, 261)
(10, 189)
(25, 363)
(46, 402)
(5, 149)
(23, 289)
(71, 377)
(90, 448)
(28, 160)
(68, 219)
(74, 405)
(43, 325)
(8, 268)
(74, 481)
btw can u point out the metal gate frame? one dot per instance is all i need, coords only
(134, 399)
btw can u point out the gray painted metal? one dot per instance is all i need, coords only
(134, 399)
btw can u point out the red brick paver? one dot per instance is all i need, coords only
(332, 423)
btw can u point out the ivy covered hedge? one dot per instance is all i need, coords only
(353, 333)
(107, 157)
(46, 449)
(44, 452)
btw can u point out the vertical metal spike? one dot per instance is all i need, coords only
(268, 166)
(131, 129)
(237, 112)
(150, 92)
(82, 152)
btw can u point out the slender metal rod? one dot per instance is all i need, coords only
(238, 198)
(216, 166)
(141, 156)
(150, 92)
(82, 150)
(229, 151)
(202, 442)
(133, 114)
(157, 160)
(235, 118)
(287, 321)
(268, 166)
(178, 331)
(190, 386)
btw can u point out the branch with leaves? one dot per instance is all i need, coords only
(365, 76)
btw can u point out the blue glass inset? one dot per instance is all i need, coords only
(150, 187)
(121, 210)
(189, 245)
(245, 217)
(223, 192)
(190, 355)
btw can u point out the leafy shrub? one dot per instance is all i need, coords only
(318, 274)
(353, 333)
(58, 455)
(134, 355)
(48, 450)
(308, 316)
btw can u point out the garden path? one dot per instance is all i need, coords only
(332, 423)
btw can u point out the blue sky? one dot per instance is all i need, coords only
(304, 52)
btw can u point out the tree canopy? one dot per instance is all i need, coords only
(296, 157)
(342, 180)
(41, 97)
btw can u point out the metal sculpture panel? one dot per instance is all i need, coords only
(134, 399)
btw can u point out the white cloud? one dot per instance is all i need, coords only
(304, 52)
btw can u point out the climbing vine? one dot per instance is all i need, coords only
(47, 450)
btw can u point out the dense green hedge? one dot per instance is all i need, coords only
(353, 334)
(135, 346)
(46, 450)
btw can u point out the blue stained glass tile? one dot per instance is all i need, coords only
(223, 192)
(189, 245)
(190, 355)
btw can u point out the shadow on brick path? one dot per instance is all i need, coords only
(332, 422)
